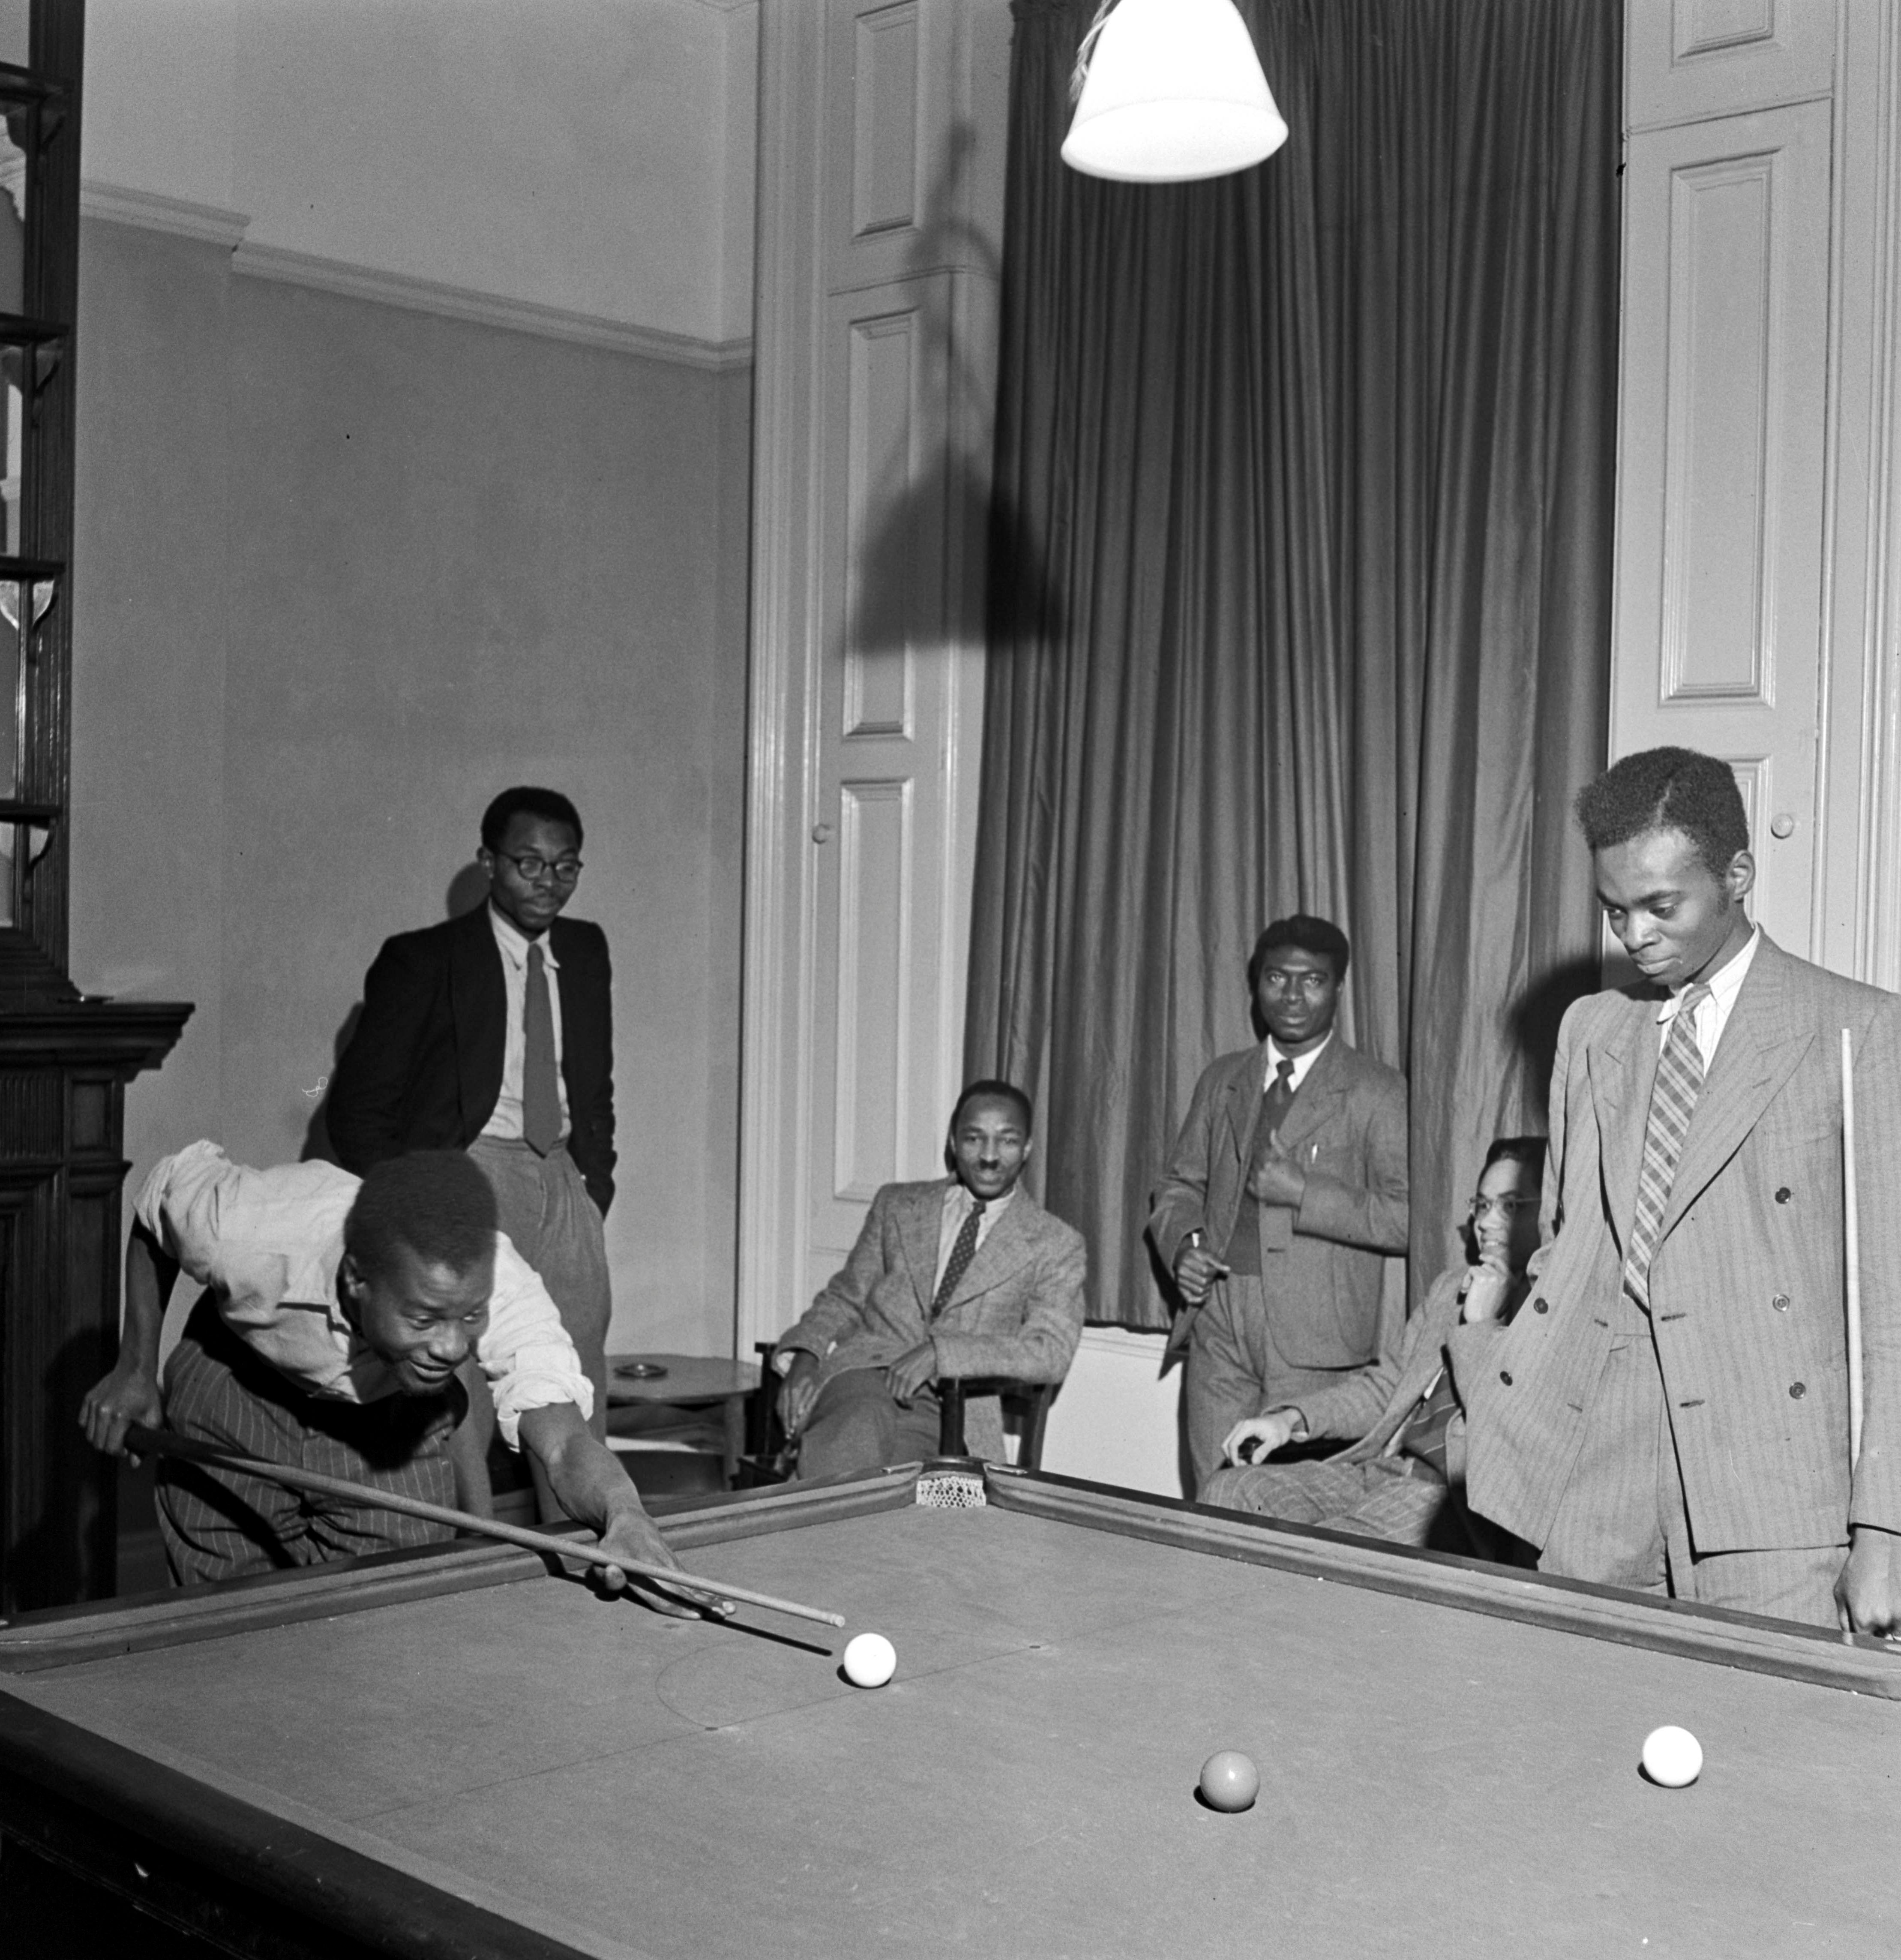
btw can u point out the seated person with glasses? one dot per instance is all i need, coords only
(1401, 1481)
(1282, 1211)
(493, 1034)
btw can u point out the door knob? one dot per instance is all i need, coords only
(1782, 824)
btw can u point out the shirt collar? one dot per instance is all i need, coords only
(514, 942)
(1724, 985)
(1302, 1063)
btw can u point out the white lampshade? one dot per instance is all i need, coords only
(1174, 92)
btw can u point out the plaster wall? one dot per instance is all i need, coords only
(345, 570)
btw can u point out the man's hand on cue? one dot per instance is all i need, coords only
(1260, 1435)
(1867, 1595)
(631, 1534)
(1196, 1269)
(911, 1371)
(127, 1395)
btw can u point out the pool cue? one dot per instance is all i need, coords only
(1851, 1234)
(143, 1442)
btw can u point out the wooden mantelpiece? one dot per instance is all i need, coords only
(64, 1065)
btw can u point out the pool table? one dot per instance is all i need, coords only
(461, 1752)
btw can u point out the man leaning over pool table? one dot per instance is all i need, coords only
(337, 1311)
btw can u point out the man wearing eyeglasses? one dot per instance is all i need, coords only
(493, 1034)
(1402, 1479)
(1282, 1211)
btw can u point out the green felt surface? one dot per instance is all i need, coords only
(1433, 1780)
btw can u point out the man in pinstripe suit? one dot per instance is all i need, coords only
(1670, 1411)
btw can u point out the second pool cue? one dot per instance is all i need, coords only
(1852, 1236)
(143, 1441)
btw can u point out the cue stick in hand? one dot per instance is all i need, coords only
(1851, 1234)
(142, 1441)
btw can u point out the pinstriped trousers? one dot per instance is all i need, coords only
(1623, 1521)
(218, 1524)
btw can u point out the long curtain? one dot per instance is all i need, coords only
(1300, 588)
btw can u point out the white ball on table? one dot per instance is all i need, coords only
(870, 1660)
(1672, 1757)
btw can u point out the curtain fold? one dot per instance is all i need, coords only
(1301, 587)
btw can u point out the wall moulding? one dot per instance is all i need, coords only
(415, 295)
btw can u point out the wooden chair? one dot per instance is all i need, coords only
(1029, 1400)
(766, 1460)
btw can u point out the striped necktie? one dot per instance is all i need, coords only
(958, 1264)
(1673, 1102)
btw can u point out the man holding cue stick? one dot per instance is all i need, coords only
(336, 1314)
(1670, 1411)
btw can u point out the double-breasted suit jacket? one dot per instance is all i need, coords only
(1322, 1266)
(1018, 1310)
(1747, 1283)
(424, 1068)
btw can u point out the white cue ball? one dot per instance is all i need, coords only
(870, 1660)
(1672, 1757)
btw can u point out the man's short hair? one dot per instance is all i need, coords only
(1667, 789)
(437, 1203)
(1317, 936)
(995, 1091)
(526, 801)
(1528, 1151)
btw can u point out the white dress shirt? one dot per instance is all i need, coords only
(266, 1244)
(1303, 1063)
(514, 944)
(957, 1208)
(1714, 1010)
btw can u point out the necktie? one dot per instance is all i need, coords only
(541, 1094)
(962, 1252)
(1673, 1102)
(1275, 1103)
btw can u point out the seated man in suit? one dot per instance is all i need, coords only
(1671, 1411)
(1283, 1200)
(336, 1313)
(965, 1276)
(1401, 1479)
(464, 1044)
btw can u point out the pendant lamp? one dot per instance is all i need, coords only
(1174, 92)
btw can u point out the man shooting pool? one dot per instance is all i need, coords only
(336, 1313)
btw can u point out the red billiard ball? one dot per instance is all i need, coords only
(1229, 1781)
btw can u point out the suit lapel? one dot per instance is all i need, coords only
(1439, 1316)
(918, 1233)
(1759, 1052)
(1622, 1069)
(1319, 1099)
(479, 1003)
(1005, 1246)
(1242, 1102)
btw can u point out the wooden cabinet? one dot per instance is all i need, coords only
(64, 1059)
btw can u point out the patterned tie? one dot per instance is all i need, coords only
(962, 1252)
(1673, 1102)
(541, 1093)
(1275, 1103)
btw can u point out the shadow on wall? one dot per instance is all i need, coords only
(913, 512)
(465, 892)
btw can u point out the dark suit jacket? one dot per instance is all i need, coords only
(424, 1068)
(1326, 1263)
(1018, 1310)
(1746, 1284)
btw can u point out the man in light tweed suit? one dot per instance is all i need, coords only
(963, 1276)
(1670, 1410)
